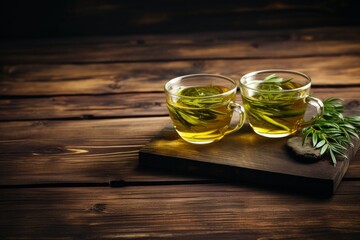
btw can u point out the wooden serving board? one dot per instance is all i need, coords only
(246, 157)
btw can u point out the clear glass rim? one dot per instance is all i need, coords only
(270, 71)
(172, 81)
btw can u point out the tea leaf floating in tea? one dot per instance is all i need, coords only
(192, 110)
(332, 133)
(271, 110)
(275, 79)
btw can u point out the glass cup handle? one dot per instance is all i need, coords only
(318, 104)
(241, 112)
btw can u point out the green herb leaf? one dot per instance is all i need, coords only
(268, 78)
(332, 132)
(333, 158)
(323, 149)
(320, 144)
(314, 139)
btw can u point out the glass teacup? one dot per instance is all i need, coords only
(201, 107)
(275, 101)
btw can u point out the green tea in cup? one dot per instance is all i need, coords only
(201, 107)
(275, 101)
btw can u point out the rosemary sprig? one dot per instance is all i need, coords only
(273, 78)
(196, 111)
(332, 132)
(271, 106)
(190, 118)
(273, 84)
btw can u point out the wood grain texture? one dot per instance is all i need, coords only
(45, 80)
(51, 161)
(125, 105)
(108, 17)
(219, 45)
(84, 107)
(75, 151)
(212, 211)
(238, 157)
(36, 152)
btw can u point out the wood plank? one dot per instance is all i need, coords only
(223, 45)
(100, 17)
(45, 80)
(76, 151)
(84, 107)
(125, 105)
(36, 152)
(213, 211)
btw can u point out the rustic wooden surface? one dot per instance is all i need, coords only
(74, 113)
(238, 158)
(109, 17)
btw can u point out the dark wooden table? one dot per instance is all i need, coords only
(75, 112)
